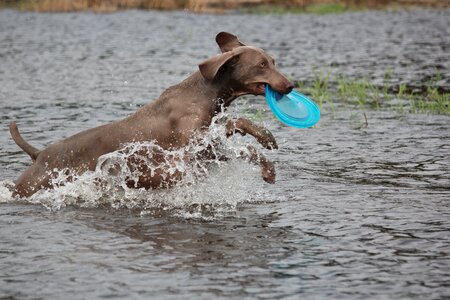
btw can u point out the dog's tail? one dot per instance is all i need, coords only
(30, 150)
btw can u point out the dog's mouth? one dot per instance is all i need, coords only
(258, 88)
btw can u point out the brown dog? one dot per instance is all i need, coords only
(180, 113)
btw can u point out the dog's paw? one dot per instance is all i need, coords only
(271, 145)
(268, 173)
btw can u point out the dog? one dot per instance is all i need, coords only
(181, 113)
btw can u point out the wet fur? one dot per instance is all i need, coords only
(181, 112)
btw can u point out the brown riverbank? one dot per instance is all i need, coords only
(216, 6)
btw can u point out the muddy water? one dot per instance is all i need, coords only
(357, 212)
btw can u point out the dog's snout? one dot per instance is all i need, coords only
(283, 87)
(289, 87)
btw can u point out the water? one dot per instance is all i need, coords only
(357, 211)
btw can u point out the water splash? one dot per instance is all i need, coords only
(202, 184)
(6, 187)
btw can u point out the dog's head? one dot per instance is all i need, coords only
(249, 68)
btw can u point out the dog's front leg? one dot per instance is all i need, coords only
(244, 126)
(267, 168)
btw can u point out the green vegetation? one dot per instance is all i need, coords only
(330, 92)
(260, 7)
(254, 6)
(319, 9)
(329, 8)
(102, 5)
(363, 94)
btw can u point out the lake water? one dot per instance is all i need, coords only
(358, 212)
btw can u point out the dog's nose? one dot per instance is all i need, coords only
(289, 87)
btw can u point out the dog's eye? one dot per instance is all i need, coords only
(263, 64)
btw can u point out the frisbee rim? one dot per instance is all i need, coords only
(311, 108)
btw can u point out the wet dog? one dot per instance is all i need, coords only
(182, 112)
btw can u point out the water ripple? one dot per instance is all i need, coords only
(357, 212)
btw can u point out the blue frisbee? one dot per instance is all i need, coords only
(293, 109)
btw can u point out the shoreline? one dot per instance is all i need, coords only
(221, 7)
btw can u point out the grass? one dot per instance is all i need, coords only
(318, 9)
(362, 94)
(328, 91)
(194, 5)
(99, 5)
(257, 6)
(329, 8)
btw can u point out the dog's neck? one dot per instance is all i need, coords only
(225, 96)
(214, 96)
(222, 90)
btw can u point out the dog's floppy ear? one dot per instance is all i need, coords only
(227, 41)
(210, 67)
